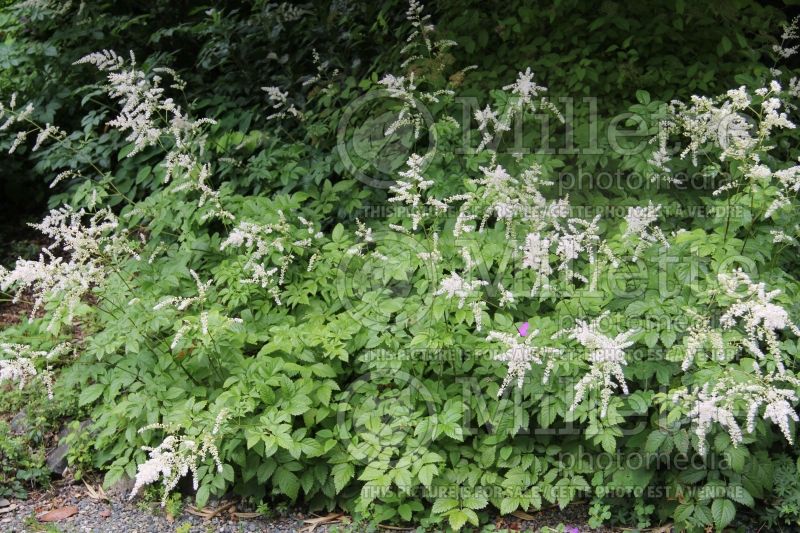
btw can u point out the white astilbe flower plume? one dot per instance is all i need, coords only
(410, 188)
(606, 358)
(264, 241)
(420, 45)
(784, 50)
(149, 117)
(143, 102)
(421, 41)
(454, 286)
(788, 180)
(701, 338)
(182, 303)
(13, 115)
(177, 456)
(208, 195)
(724, 123)
(640, 222)
(489, 126)
(22, 364)
(525, 95)
(578, 237)
(536, 256)
(404, 89)
(721, 401)
(520, 355)
(760, 317)
(280, 104)
(526, 92)
(82, 245)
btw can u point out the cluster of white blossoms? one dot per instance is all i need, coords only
(525, 95)
(784, 50)
(455, 286)
(737, 392)
(518, 203)
(422, 35)
(606, 357)
(576, 237)
(177, 456)
(12, 115)
(520, 355)
(263, 241)
(464, 286)
(143, 102)
(279, 100)
(22, 365)
(701, 339)
(365, 241)
(151, 117)
(721, 401)
(789, 180)
(724, 123)
(410, 189)
(324, 75)
(760, 317)
(640, 222)
(421, 44)
(411, 113)
(182, 303)
(490, 125)
(536, 256)
(77, 259)
(500, 193)
(208, 195)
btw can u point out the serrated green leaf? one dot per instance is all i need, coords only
(724, 511)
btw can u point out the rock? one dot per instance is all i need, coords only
(57, 457)
(19, 424)
(4, 502)
(105, 513)
(121, 488)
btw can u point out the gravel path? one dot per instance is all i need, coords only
(101, 516)
(106, 517)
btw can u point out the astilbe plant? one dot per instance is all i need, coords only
(496, 198)
(86, 248)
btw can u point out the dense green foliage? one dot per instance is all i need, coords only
(354, 383)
